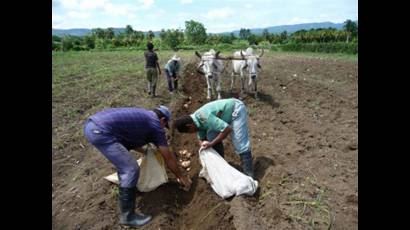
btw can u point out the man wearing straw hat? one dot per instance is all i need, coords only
(172, 72)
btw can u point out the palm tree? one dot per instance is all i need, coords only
(128, 30)
(265, 34)
(150, 35)
(98, 32)
(109, 33)
(350, 27)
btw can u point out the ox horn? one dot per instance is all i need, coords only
(261, 53)
(243, 57)
(197, 54)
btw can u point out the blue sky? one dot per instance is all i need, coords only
(216, 15)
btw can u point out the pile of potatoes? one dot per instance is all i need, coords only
(184, 160)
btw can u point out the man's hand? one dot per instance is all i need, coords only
(186, 182)
(205, 145)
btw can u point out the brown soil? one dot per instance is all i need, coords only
(304, 141)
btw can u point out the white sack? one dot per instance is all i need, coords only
(152, 172)
(225, 180)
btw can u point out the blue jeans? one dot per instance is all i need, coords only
(115, 152)
(172, 83)
(239, 124)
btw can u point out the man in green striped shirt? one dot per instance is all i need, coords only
(214, 121)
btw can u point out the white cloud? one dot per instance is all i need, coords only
(248, 5)
(57, 18)
(131, 16)
(69, 3)
(182, 16)
(252, 17)
(147, 3)
(222, 13)
(107, 6)
(120, 10)
(78, 14)
(157, 14)
(92, 4)
(186, 1)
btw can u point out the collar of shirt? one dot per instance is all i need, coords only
(197, 123)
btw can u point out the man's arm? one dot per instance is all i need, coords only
(159, 68)
(221, 136)
(177, 67)
(171, 162)
(175, 76)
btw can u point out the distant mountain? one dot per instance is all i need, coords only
(82, 32)
(75, 32)
(272, 29)
(79, 32)
(294, 28)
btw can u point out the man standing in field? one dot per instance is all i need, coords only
(114, 132)
(151, 66)
(172, 72)
(214, 121)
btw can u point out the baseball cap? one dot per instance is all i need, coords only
(167, 114)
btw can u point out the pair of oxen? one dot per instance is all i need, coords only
(244, 63)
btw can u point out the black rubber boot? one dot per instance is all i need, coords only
(127, 204)
(246, 159)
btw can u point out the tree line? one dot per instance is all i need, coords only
(195, 35)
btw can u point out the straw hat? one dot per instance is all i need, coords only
(176, 58)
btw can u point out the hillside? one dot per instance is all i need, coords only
(272, 29)
(294, 28)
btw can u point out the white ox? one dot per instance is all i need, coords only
(212, 68)
(251, 64)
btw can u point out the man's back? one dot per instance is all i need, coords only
(173, 67)
(134, 126)
(151, 59)
(222, 108)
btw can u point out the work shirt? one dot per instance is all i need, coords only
(213, 116)
(151, 59)
(172, 67)
(134, 127)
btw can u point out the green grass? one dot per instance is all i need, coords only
(338, 56)
(306, 202)
(84, 82)
(266, 191)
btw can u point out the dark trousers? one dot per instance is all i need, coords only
(172, 83)
(115, 152)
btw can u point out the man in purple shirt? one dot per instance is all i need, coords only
(114, 132)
